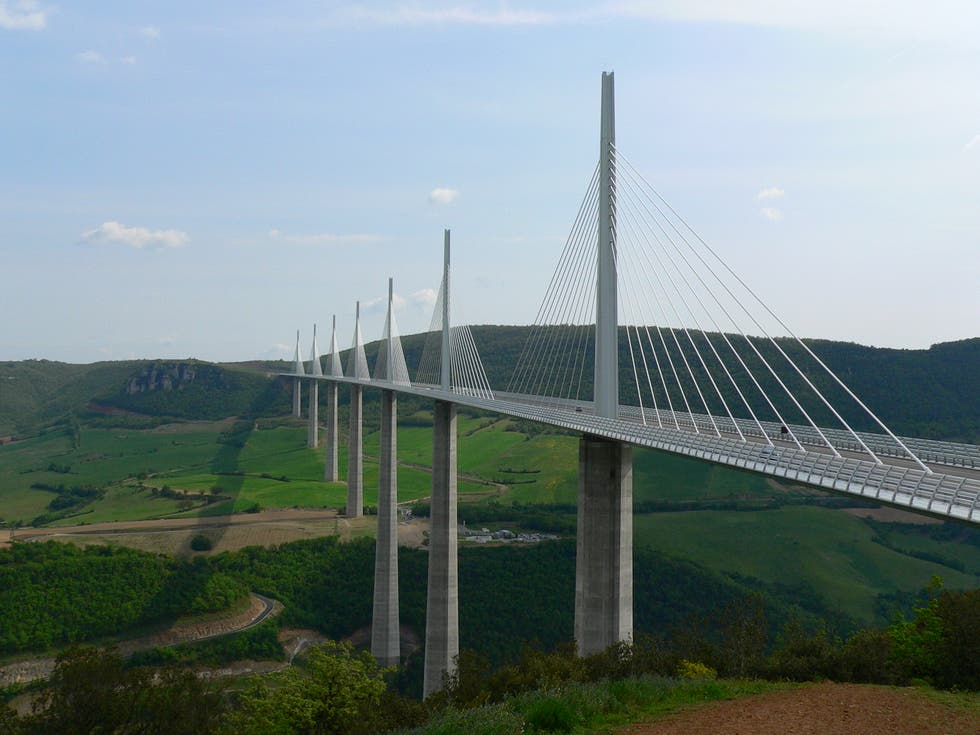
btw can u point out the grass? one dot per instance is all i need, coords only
(831, 551)
(584, 709)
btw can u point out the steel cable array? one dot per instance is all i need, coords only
(695, 357)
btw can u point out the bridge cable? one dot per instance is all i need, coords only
(775, 344)
(629, 228)
(524, 364)
(714, 321)
(522, 380)
(673, 307)
(731, 346)
(565, 285)
(630, 196)
(794, 336)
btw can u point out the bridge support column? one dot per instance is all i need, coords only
(313, 431)
(355, 457)
(331, 471)
(297, 397)
(604, 552)
(442, 604)
(385, 645)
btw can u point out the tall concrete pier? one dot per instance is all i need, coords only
(355, 457)
(355, 445)
(331, 472)
(297, 383)
(385, 645)
(604, 545)
(442, 602)
(313, 427)
(313, 431)
(385, 622)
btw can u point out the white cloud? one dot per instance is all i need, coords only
(772, 192)
(974, 142)
(150, 32)
(443, 196)
(425, 297)
(135, 237)
(417, 15)
(897, 19)
(90, 57)
(127, 60)
(771, 213)
(25, 16)
(327, 238)
(422, 299)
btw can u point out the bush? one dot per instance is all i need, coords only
(551, 715)
(695, 670)
(201, 543)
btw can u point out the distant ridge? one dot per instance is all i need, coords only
(933, 393)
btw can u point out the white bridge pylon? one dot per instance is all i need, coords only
(645, 337)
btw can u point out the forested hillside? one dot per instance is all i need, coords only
(933, 393)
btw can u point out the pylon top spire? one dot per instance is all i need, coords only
(298, 360)
(606, 317)
(336, 369)
(315, 367)
(358, 367)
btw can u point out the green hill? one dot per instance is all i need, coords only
(933, 393)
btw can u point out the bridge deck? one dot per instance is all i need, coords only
(951, 490)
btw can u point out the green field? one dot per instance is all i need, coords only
(267, 463)
(831, 551)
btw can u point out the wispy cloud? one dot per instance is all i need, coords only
(327, 238)
(425, 297)
(974, 142)
(420, 15)
(24, 16)
(422, 299)
(771, 213)
(772, 192)
(90, 57)
(129, 60)
(895, 19)
(115, 233)
(150, 32)
(443, 196)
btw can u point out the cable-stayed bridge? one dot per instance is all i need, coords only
(645, 337)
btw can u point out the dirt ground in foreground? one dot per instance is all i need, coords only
(820, 709)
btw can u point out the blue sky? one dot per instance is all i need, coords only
(201, 179)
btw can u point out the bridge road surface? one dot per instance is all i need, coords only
(950, 492)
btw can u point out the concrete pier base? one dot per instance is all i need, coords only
(313, 430)
(331, 472)
(355, 456)
(442, 605)
(604, 558)
(297, 397)
(385, 645)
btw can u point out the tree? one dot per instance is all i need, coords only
(334, 695)
(92, 691)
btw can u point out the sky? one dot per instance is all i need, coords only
(188, 179)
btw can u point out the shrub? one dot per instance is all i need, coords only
(201, 543)
(551, 715)
(695, 670)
